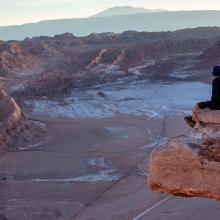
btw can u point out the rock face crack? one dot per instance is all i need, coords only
(210, 153)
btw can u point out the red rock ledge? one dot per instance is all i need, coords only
(190, 165)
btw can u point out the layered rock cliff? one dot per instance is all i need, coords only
(48, 66)
(189, 165)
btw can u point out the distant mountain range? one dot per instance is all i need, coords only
(125, 10)
(115, 20)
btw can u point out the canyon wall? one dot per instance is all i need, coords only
(48, 66)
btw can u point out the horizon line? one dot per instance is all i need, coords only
(93, 16)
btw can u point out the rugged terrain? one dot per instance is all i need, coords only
(104, 102)
(45, 66)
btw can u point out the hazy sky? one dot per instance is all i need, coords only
(24, 11)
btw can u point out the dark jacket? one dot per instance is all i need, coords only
(214, 104)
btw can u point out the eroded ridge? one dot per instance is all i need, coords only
(15, 129)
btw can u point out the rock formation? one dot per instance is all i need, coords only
(15, 129)
(189, 165)
(48, 66)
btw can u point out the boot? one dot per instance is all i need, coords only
(190, 121)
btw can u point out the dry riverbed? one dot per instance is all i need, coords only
(93, 169)
(93, 164)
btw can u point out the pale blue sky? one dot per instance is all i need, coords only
(24, 11)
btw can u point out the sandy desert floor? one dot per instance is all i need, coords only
(96, 169)
(98, 172)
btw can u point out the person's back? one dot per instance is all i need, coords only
(214, 104)
(215, 100)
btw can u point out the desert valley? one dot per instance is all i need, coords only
(80, 117)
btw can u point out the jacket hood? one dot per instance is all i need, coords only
(216, 71)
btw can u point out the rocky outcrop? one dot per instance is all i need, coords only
(15, 130)
(189, 165)
(15, 58)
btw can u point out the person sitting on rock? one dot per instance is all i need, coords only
(214, 104)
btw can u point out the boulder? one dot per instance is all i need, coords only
(15, 129)
(189, 165)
